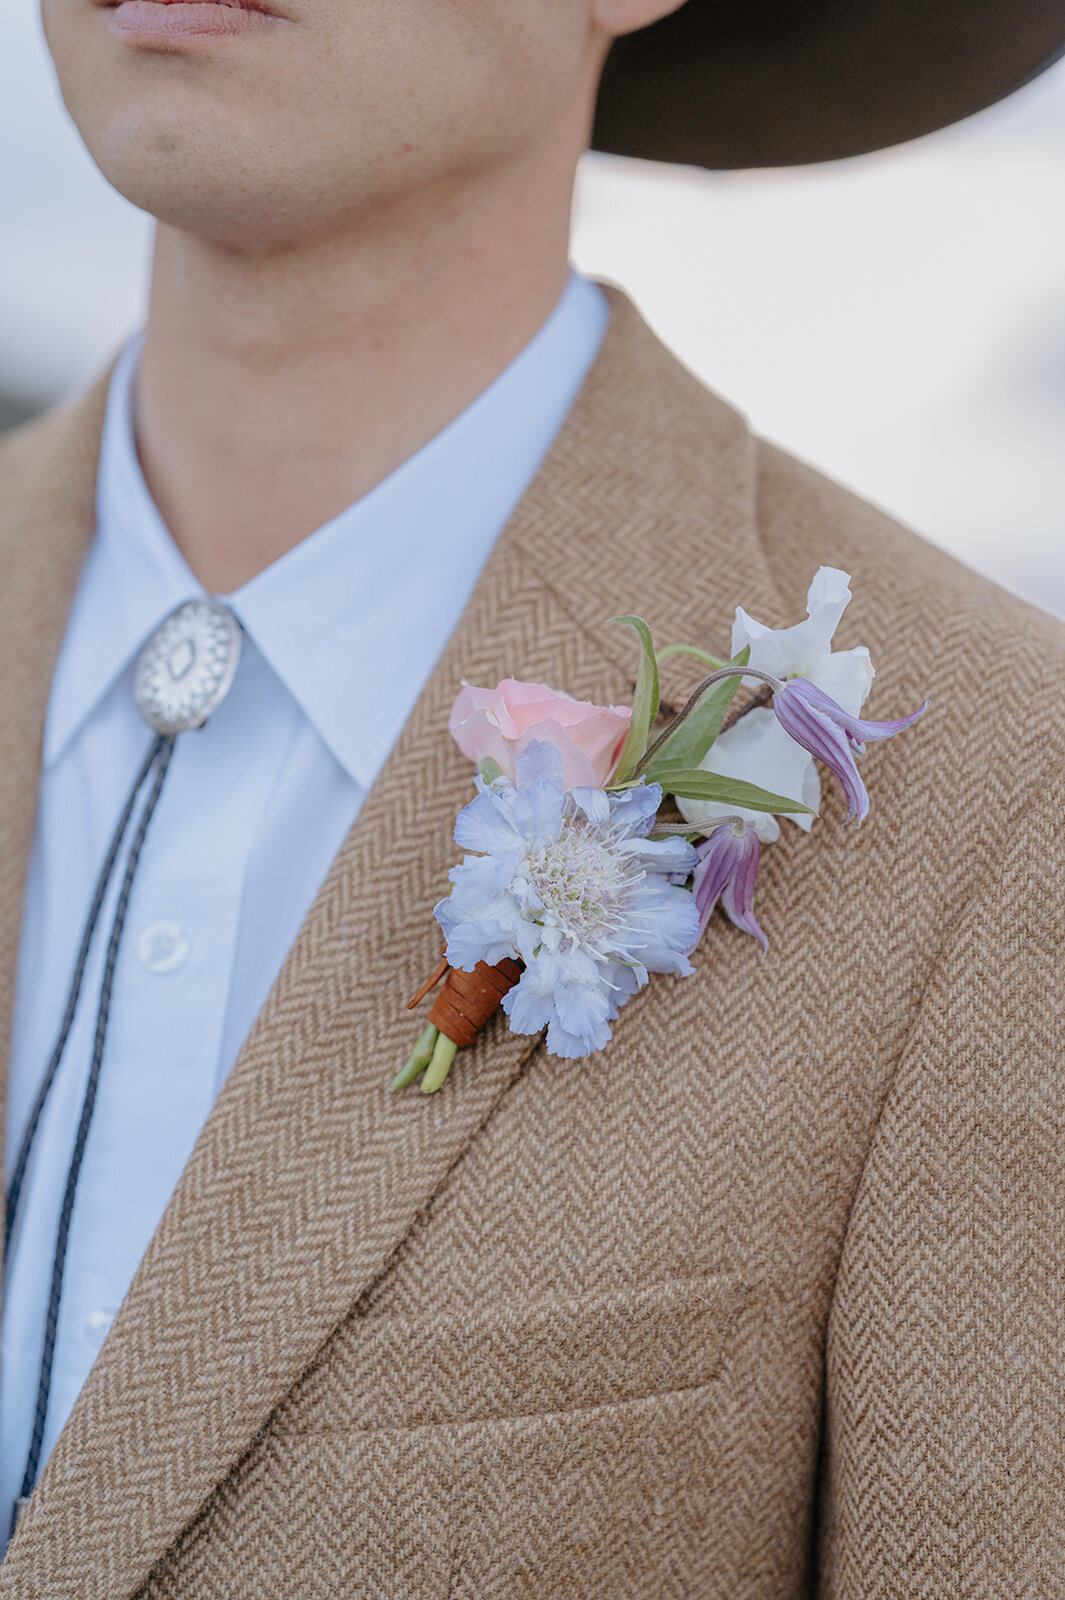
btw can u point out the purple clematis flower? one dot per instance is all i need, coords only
(814, 720)
(726, 869)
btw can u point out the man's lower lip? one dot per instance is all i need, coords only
(175, 20)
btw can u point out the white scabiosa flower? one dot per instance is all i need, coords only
(568, 883)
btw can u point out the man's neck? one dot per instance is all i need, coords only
(275, 389)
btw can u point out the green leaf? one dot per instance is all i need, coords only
(689, 783)
(644, 702)
(697, 733)
(488, 768)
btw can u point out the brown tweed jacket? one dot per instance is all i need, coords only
(766, 1300)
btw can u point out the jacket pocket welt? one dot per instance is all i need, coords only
(546, 1355)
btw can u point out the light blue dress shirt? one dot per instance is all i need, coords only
(340, 636)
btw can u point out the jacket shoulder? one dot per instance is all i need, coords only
(47, 502)
(805, 516)
(990, 661)
(57, 448)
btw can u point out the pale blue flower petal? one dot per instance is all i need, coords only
(485, 825)
(529, 1012)
(472, 942)
(479, 878)
(668, 920)
(634, 810)
(570, 1046)
(580, 966)
(624, 981)
(529, 940)
(674, 856)
(530, 1004)
(581, 1008)
(569, 885)
(537, 814)
(593, 802)
(485, 931)
(539, 759)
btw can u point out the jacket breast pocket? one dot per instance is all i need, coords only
(581, 1446)
(541, 1357)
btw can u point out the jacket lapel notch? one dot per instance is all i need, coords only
(652, 483)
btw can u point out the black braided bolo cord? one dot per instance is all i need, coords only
(103, 883)
(159, 758)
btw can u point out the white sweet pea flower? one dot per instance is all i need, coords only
(756, 748)
(759, 751)
(805, 651)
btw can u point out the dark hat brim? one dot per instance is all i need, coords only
(767, 83)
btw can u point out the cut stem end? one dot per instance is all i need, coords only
(440, 1064)
(418, 1059)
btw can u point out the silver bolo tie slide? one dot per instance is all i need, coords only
(182, 676)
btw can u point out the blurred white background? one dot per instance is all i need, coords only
(899, 320)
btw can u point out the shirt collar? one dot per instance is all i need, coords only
(353, 618)
(134, 574)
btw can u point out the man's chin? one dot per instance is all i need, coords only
(195, 179)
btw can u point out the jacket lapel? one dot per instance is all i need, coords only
(47, 491)
(309, 1173)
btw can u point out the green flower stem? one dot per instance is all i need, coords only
(440, 1065)
(691, 650)
(697, 694)
(418, 1059)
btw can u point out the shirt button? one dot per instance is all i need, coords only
(163, 947)
(97, 1324)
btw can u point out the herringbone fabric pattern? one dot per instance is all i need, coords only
(764, 1301)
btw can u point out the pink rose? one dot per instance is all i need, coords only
(500, 723)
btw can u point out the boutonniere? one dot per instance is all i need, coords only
(598, 849)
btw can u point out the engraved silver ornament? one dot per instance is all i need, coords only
(187, 667)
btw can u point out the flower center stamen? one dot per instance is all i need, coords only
(584, 884)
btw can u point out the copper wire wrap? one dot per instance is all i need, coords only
(469, 999)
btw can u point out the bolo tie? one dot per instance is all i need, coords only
(182, 676)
